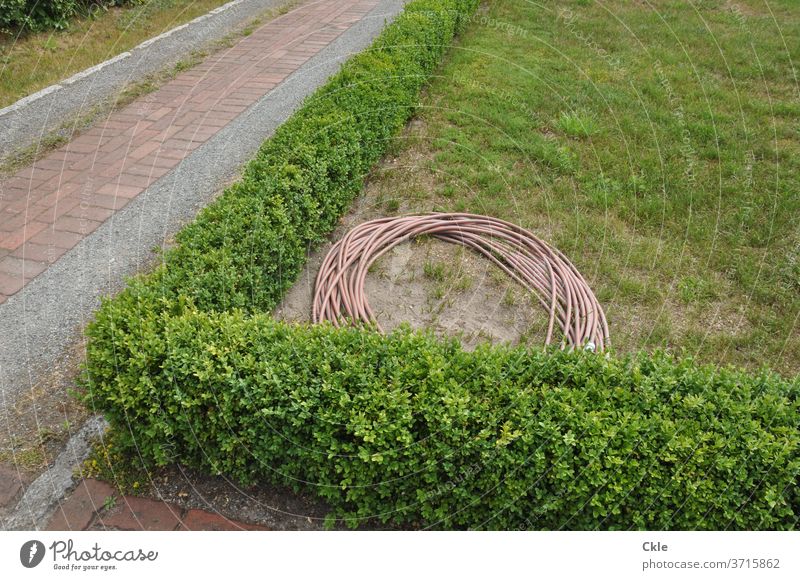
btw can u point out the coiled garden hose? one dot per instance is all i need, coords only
(544, 271)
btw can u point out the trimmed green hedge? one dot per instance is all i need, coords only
(405, 428)
(38, 15)
(414, 431)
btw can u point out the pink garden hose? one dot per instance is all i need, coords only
(542, 270)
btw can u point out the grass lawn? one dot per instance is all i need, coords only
(33, 62)
(656, 143)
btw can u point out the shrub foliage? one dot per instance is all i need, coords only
(36, 15)
(413, 431)
(404, 428)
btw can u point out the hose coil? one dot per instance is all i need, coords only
(542, 270)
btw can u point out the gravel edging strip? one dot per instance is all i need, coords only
(33, 117)
(48, 314)
(36, 506)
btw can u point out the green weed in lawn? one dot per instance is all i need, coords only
(576, 125)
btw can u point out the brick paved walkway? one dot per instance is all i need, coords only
(95, 505)
(48, 208)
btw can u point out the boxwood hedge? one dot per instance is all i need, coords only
(404, 428)
(414, 431)
(23, 16)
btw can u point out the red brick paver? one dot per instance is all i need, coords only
(48, 208)
(10, 486)
(78, 510)
(199, 520)
(136, 513)
(95, 505)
